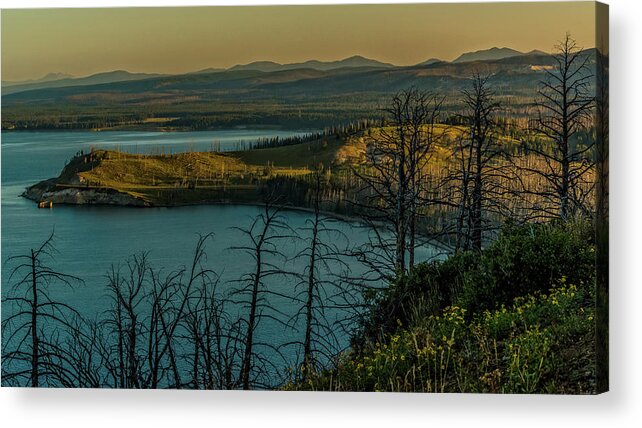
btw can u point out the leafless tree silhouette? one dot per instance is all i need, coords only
(32, 333)
(477, 147)
(565, 108)
(142, 325)
(264, 234)
(214, 337)
(317, 288)
(393, 180)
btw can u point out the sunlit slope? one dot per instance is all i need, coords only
(207, 177)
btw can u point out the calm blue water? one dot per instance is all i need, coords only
(90, 239)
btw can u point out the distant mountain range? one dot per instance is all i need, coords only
(208, 70)
(353, 61)
(294, 82)
(291, 95)
(431, 61)
(494, 54)
(61, 80)
(48, 78)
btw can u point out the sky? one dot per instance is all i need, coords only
(81, 42)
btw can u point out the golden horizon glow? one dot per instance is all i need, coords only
(184, 39)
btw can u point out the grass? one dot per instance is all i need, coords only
(327, 151)
(203, 177)
(213, 177)
(334, 151)
(185, 178)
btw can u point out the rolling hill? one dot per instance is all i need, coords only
(50, 77)
(61, 82)
(431, 61)
(257, 84)
(488, 54)
(302, 96)
(353, 61)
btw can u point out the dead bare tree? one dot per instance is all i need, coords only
(316, 289)
(393, 176)
(215, 339)
(123, 326)
(564, 109)
(33, 333)
(264, 234)
(476, 150)
(141, 330)
(83, 351)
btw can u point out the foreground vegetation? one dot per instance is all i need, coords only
(517, 318)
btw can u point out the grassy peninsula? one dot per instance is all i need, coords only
(159, 178)
(163, 179)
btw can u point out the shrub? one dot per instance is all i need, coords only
(517, 317)
(428, 289)
(523, 260)
(527, 259)
(530, 346)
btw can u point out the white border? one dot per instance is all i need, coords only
(620, 407)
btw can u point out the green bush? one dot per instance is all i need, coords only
(428, 289)
(527, 259)
(523, 260)
(541, 343)
(515, 318)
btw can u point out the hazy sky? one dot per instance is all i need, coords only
(173, 40)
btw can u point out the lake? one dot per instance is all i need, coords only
(90, 239)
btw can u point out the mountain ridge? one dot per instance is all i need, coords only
(493, 53)
(94, 79)
(260, 72)
(293, 82)
(430, 61)
(49, 77)
(353, 61)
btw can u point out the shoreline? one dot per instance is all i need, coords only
(169, 130)
(110, 197)
(33, 194)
